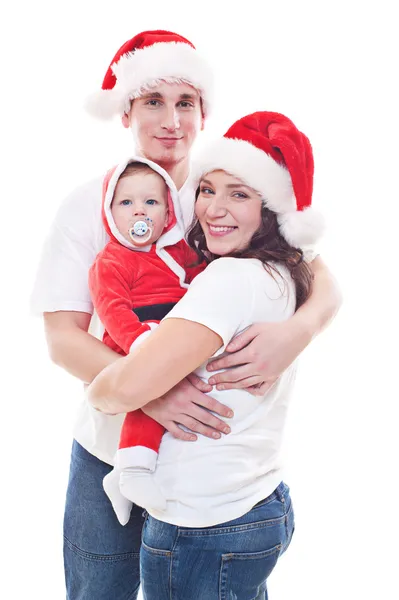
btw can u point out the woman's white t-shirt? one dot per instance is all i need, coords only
(213, 481)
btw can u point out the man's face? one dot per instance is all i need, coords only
(165, 122)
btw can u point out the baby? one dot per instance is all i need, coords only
(134, 282)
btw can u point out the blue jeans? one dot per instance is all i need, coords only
(101, 557)
(231, 561)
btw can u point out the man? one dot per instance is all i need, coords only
(162, 90)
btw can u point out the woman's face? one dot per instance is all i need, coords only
(229, 212)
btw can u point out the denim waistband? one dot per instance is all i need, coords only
(280, 492)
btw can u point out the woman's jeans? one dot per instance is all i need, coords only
(231, 561)
(101, 557)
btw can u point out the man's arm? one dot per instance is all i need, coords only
(323, 304)
(84, 356)
(73, 348)
(265, 350)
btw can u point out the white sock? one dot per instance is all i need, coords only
(121, 505)
(138, 485)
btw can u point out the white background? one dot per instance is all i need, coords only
(331, 67)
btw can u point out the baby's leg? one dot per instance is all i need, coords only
(132, 479)
(121, 505)
(137, 459)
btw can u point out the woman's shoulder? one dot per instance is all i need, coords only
(252, 268)
(230, 264)
(225, 268)
(250, 275)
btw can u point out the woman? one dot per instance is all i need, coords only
(228, 515)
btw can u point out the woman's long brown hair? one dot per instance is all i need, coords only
(268, 246)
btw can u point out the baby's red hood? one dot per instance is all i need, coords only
(174, 230)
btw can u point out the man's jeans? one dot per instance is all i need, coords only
(231, 561)
(101, 557)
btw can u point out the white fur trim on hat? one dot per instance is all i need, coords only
(105, 104)
(302, 227)
(142, 69)
(253, 166)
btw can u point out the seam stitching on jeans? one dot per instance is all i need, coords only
(233, 529)
(100, 557)
(252, 555)
(221, 581)
(170, 576)
(171, 562)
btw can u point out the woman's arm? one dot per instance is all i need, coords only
(84, 356)
(265, 350)
(174, 350)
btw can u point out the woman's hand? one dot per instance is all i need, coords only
(259, 356)
(187, 404)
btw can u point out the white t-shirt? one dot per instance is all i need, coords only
(213, 481)
(75, 238)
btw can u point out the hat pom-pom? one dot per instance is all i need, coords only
(105, 104)
(301, 228)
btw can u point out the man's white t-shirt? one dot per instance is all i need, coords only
(75, 238)
(213, 481)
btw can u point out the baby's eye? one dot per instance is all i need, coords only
(126, 202)
(151, 201)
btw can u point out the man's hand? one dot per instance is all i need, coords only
(265, 350)
(186, 405)
(260, 355)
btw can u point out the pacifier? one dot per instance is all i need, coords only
(141, 231)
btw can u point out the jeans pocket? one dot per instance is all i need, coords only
(155, 567)
(243, 575)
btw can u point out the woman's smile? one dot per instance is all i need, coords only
(220, 230)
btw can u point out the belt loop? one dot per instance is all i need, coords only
(279, 492)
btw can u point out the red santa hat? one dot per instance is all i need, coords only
(269, 153)
(143, 62)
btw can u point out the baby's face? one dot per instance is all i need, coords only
(140, 197)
